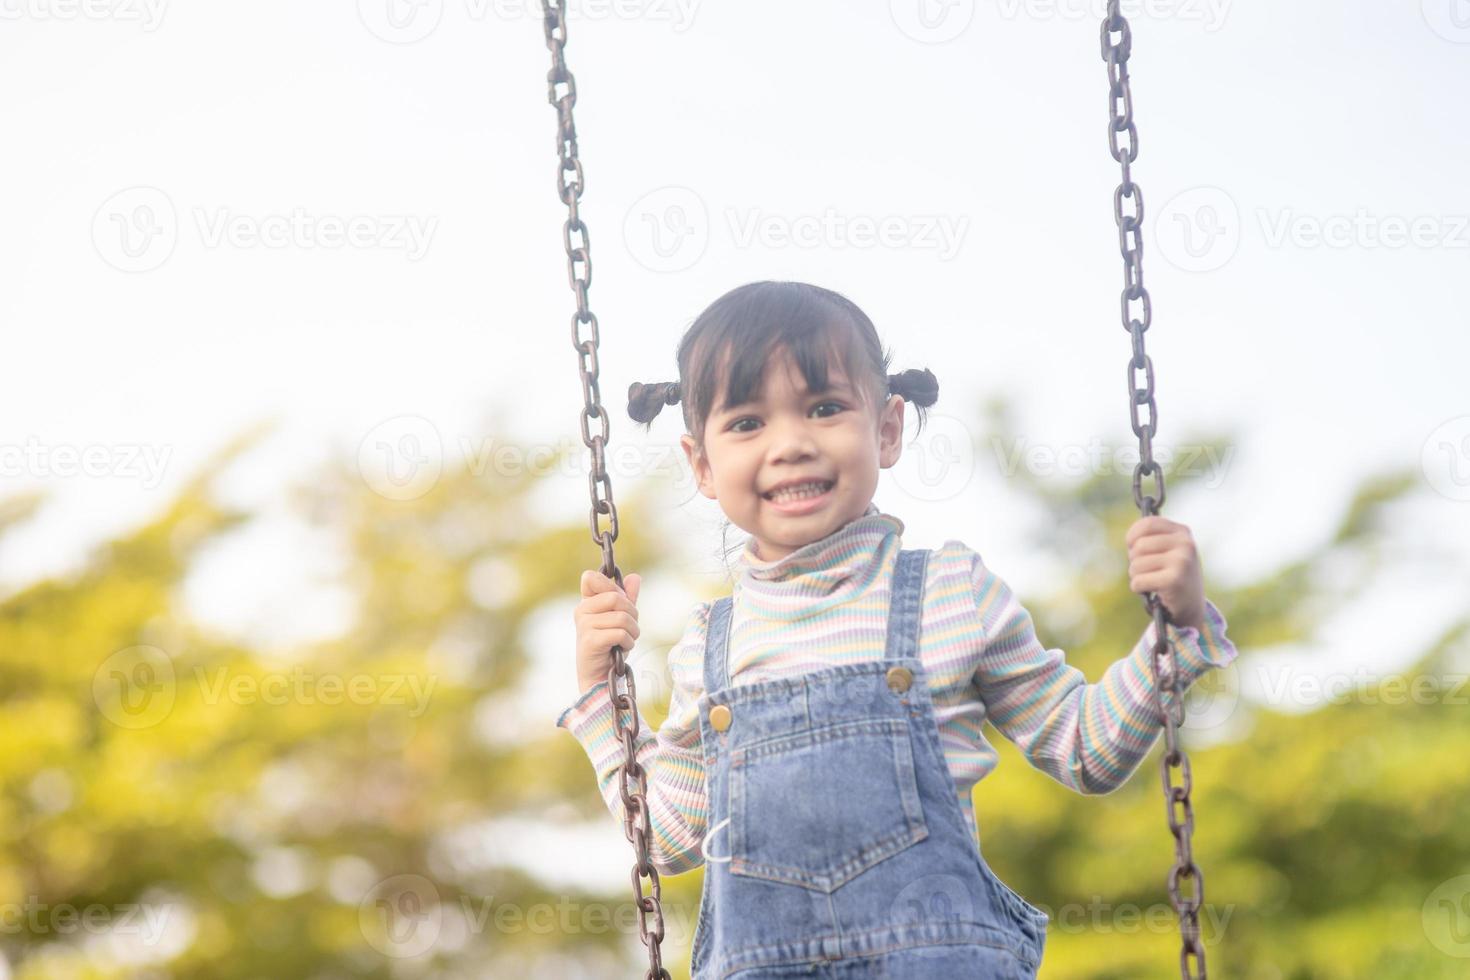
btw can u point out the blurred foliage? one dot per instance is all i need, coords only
(241, 814)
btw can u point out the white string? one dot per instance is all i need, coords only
(704, 844)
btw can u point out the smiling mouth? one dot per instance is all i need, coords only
(808, 492)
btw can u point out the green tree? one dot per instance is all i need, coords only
(277, 822)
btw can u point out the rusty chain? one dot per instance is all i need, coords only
(1164, 664)
(562, 93)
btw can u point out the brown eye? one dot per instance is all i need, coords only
(734, 426)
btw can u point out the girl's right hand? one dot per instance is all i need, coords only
(606, 617)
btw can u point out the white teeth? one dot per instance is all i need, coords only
(801, 492)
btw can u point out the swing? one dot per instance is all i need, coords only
(1116, 42)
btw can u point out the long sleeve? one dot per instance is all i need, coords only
(672, 756)
(1089, 737)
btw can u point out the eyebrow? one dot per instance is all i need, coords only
(840, 388)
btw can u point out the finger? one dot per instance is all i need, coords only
(632, 583)
(1144, 526)
(619, 621)
(607, 639)
(596, 583)
(605, 603)
(1148, 563)
(1148, 582)
(588, 583)
(1152, 544)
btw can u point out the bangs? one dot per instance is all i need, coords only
(744, 328)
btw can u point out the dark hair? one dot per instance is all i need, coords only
(737, 333)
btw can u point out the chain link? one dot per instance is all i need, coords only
(1117, 44)
(562, 93)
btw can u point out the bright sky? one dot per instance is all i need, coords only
(343, 216)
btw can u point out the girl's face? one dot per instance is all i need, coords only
(789, 435)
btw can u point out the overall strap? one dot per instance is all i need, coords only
(717, 645)
(906, 603)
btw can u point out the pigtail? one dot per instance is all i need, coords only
(646, 401)
(919, 387)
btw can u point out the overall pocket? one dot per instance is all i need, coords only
(819, 807)
(1024, 910)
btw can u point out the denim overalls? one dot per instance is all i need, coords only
(837, 847)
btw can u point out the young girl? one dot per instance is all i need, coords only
(824, 732)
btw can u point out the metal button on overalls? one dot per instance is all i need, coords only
(839, 848)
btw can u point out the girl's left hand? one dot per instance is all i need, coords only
(1162, 559)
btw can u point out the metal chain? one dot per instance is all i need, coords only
(1164, 663)
(562, 93)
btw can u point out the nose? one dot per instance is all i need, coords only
(790, 440)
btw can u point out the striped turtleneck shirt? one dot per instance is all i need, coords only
(826, 603)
